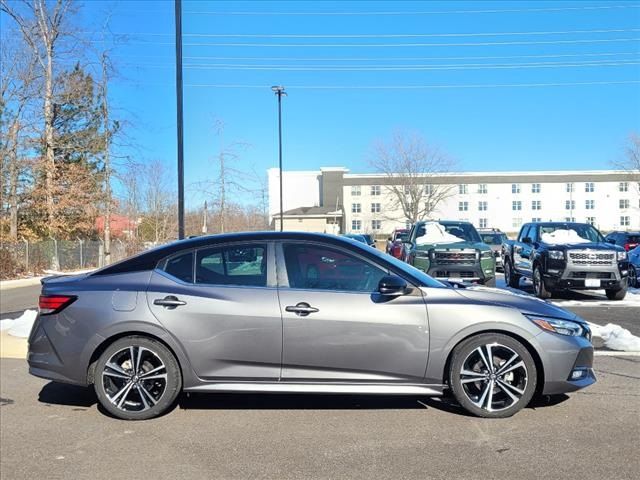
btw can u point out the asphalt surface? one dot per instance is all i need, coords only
(57, 432)
(16, 300)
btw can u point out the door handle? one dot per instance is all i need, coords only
(169, 301)
(302, 309)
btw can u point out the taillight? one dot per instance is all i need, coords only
(54, 303)
(626, 246)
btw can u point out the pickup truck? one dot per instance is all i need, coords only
(452, 251)
(565, 255)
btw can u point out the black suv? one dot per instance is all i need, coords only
(627, 240)
(565, 255)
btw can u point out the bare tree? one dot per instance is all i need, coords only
(411, 168)
(158, 222)
(42, 30)
(632, 158)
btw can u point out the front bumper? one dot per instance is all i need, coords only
(478, 272)
(562, 356)
(585, 277)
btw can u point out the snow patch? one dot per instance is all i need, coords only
(616, 338)
(563, 237)
(21, 326)
(436, 233)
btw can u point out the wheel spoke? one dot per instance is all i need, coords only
(506, 364)
(484, 360)
(124, 389)
(511, 368)
(142, 397)
(480, 402)
(126, 394)
(133, 359)
(515, 389)
(160, 376)
(116, 368)
(116, 375)
(137, 368)
(490, 399)
(472, 380)
(490, 359)
(502, 386)
(145, 392)
(145, 375)
(471, 373)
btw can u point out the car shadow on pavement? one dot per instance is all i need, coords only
(71, 395)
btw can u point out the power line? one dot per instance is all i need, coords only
(376, 35)
(397, 45)
(416, 87)
(369, 68)
(432, 12)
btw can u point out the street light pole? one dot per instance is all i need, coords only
(179, 119)
(279, 91)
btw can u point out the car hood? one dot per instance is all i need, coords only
(523, 302)
(453, 246)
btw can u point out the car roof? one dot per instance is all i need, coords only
(149, 259)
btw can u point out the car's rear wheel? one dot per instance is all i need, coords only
(137, 378)
(512, 279)
(634, 281)
(492, 375)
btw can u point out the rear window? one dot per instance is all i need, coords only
(633, 239)
(493, 238)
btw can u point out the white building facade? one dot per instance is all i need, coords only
(610, 200)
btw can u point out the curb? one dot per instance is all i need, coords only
(21, 282)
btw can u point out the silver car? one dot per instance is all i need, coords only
(298, 312)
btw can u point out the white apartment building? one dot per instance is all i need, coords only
(608, 199)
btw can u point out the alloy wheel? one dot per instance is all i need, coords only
(494, 377)
(134, 379)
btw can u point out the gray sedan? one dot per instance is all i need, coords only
(298, 312)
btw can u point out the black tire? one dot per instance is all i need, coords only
(634, 281)
(512, 278)
(539, 287)
(491, 283)
(160, 393)
(616, 294)
(523, 378)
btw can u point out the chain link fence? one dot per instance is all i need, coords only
(33, 258)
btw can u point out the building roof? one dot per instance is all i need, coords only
(312, 211)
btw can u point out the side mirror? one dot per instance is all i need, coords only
(526, 240)
(392, 286)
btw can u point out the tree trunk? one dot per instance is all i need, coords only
(49, 158)
(14, 178)
(107, 166)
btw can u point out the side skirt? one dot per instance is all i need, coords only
(324, 388)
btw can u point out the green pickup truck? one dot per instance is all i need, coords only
(451, 250)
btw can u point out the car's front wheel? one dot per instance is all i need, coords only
(492, 375)
(634, 281)
(539, 288)
(137, 378)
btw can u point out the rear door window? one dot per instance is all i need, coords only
(243, 265)
(180, 267)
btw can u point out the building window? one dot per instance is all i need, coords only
(590, 204)
(356, 208)
(569, 204)
(517, 223)
(356, 224)
(589, 187)
(515, 188)
(407, 225)
(591, 220)
(375, 208)
(463, 189)
(535, 188)
(376, 224)
(463, 206)
(625, 221)
(536, 219)
(569, 219)
(428, 189)
(624, 203)
(623, 186)
(375, 190)
(569, 187)
(536, 205)
(483, 223)
(482, 188)
(355, 190)
(516, 205)
(483, 206)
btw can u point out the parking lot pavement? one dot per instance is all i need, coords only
(56, 432)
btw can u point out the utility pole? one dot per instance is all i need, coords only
(179, 122)
(205, 228)
(279, 91)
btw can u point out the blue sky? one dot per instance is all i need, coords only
(451, 45)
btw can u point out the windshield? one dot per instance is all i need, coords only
(493, 238)
(569, 233)
(402, 236)
(422, 277)
(435, 232)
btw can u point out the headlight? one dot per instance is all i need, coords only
(622, 255)
(563, 327)
(556, 254)
(486, 254)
